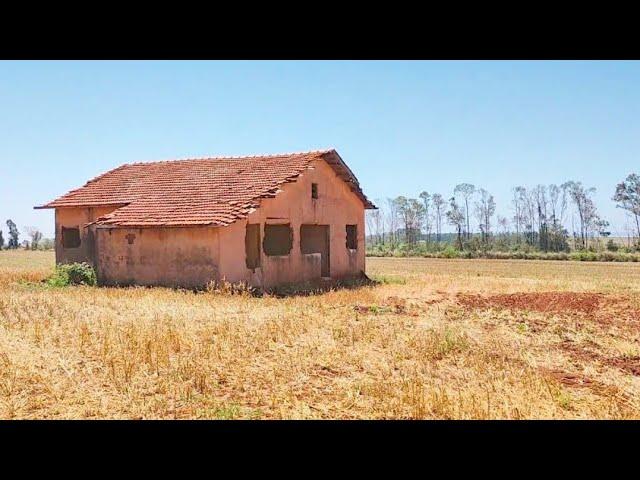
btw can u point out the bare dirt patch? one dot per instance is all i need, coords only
(603, 308)
(573, 380)
(629, 364)
(546, 302)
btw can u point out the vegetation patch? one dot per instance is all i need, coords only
(451, 252)
(72, 274)
(389, 279)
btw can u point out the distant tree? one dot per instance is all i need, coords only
(426, 201)
(530, 216)
(368, 218)
(485, 209)
(557, 202)
(379, 220)
(1, 240)
(13, 235)
(541, 204)
(411, 213)
(519, 193)
(374, 221)
(465, 191)
(392, 218)
(503, 223)
(47, 244)
(602, 227)
(456, 217)
(557, 234)
(418, 216)
(439, 210)
(587, 213)
(36, 236)
(402, 207)
(627, 197)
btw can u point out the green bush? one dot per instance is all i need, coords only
(583, 256)
(449, 252)
(612, 246)
(73, 274)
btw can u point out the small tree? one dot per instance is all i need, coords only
(519, 218)
(485, 209)
(13, 235)
(587, 213)
(412, 214)
(465, 190)
(369, 218)
(36, 236)
(1, 240)
(47, 244)
(438, 206)
(627, 197)
(456, 218)
(426, 201)
(391, 219)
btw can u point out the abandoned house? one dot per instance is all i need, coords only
(264, 220)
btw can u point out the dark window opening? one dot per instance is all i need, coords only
(278, 239)
(130, 238)
(252, 245)
(70, 237)
(314, 190)
(352, 237)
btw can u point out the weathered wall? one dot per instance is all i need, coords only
(191, 257)
(336, 206)
(77, 217)
(186, 257)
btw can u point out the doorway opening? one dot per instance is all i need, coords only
(315, 239)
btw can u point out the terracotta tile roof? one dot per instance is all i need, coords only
(205, 191)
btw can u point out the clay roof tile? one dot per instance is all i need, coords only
(198, 191)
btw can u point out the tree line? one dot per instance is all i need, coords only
(36, 242)
(548, 218)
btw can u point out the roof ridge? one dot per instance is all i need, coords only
(236, 157)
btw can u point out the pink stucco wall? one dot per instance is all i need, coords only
(191, 257)
(77, 217)
(186, 257)
(336, 206)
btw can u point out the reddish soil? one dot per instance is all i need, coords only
(606, 309)
(580, 381)
(553, 302)
(629, 364)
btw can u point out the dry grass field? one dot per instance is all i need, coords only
(445, 339)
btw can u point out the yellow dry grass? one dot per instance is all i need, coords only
(408, 348)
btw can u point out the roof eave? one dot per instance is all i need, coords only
(350, 177)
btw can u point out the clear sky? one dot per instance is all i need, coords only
(402, 127)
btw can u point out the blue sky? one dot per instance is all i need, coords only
(402, 127)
